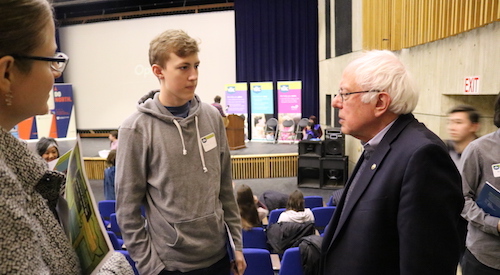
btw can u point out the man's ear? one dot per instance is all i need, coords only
(158, 71)
(475, 127)
(6, 72)
(382, 104)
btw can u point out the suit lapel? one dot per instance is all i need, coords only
(366, 176)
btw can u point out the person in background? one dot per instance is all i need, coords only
(463, 124)
(248, 209)
(400, 211)
(480, 163)
(175, 161)
(295, 210)
(47, 148)
(217, 105)
(113, 138)
(109, 176)
(32, 241)
(313, 129)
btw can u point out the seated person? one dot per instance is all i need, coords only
(248, 208)
(295, 210)
(261, 208)
(313, 129)
(273, 199)
(48, 149)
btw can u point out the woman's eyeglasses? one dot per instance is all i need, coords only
(57, 63)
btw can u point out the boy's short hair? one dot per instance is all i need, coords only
(472, 113)
(171, 41)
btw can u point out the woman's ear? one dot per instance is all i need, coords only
(6, 66)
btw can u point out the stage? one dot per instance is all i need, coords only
(92, 146)
(256, 160)
(261, 165)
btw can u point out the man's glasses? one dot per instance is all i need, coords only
(344, 96)
(57, 63)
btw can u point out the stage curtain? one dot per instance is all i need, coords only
(277, 40)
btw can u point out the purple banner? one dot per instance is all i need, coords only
(237, 98)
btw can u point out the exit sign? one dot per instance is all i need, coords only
(472, 85)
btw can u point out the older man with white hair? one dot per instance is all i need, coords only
(400, 211)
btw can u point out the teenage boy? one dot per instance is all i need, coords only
(175, 161)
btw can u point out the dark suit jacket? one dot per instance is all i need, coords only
(402, 216)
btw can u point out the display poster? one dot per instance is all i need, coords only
(262, 109)
(27, 129)
(289, 108)
(64, 110)
(237, 98)
(58, 123)
(82, 222)
(237, 102)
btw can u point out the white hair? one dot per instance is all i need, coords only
(383, 71)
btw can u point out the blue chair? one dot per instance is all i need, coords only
(274, 215)
(113, 226)
(117, 243)
(291, 263)
(106, 208)
(129, 259)
(322, 216)
(313, 201)
(258, 261)
(254, 238)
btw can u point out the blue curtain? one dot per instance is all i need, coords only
(277, 40)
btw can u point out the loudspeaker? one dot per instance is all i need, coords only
(333, 171)
(310, 148)
(334, 143)
(309, 171)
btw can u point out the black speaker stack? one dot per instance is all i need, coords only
(323, 164)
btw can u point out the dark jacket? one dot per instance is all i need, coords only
(281, 236)
(310, 253)
(403, 214)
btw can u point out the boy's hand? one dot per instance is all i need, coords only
(239, 263)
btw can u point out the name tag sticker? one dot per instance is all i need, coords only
(496, 170)
(209, 142)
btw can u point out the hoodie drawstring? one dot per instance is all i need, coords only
(205, 169)
(184, 151)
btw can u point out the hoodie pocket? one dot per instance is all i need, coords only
(195, 239)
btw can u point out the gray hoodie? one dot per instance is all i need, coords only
(180, 169)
